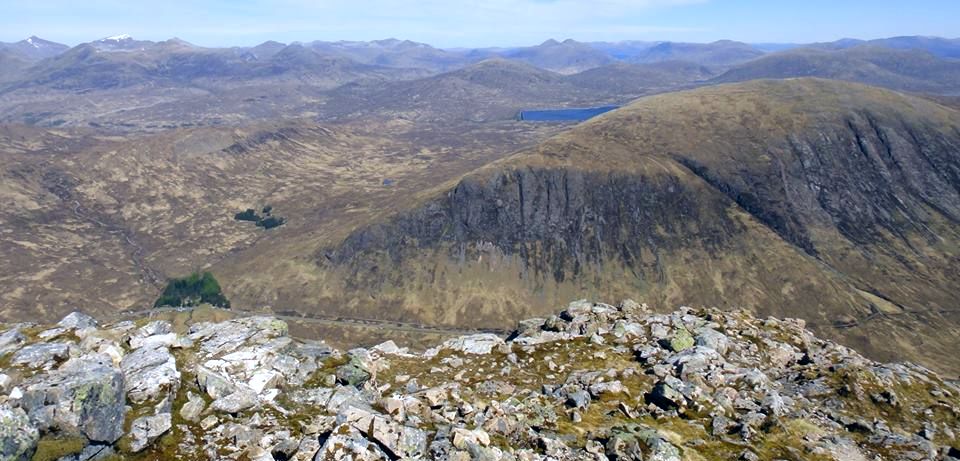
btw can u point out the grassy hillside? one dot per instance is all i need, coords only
(834, 202)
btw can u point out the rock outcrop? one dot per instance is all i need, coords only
(595, 382)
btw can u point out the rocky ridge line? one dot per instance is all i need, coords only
(595, 382)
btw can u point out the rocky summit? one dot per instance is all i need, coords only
(595, 382)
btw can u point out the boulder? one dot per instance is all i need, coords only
(348, 443)
(11, 340)
(41, 355)
(77, 321)
(578, 399)
(214, 384)
(666, 397)
(680, 340)
(400, 441)
(146, 429)
(631, 441)
(713, 339)
(150, 373)
(462, 438)
(353, 373)
(192, 409)
(243, 399)
(163, 340)
(307, 450)
(86, 394)
(18, 438)
(480, 344)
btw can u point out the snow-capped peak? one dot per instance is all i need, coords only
(117, 38)
(30, 41)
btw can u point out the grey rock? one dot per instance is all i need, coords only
(480, 344)
(462, 438)
(85, 394)
(214, 384)
(18, 438)
(343, 396)
(713, 339)
(11, 340)
(78, 321)
(242, 399)
(347, 443)
(608, 387)
(578, 399)
(209, 422)
(630, 438)
(92, 452)
(150, 373)
(41, 355)
(146, 429)
(666, 397)
(156, 327)
(696, 360)
(284, 449)
(353, 373)
(399, 441)
(308, 448)
(191, 410)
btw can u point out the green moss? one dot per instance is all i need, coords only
(53, 448)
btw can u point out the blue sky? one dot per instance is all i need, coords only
(452, 23)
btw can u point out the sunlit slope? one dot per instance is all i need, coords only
(835, 202)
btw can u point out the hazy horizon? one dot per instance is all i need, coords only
(477, 24)
(480, 46)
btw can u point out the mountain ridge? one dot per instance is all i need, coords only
(545, 223)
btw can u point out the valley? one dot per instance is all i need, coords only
(417, 196)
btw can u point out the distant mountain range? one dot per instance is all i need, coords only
(140, 83)
(568, 56)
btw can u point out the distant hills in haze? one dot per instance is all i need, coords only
(175, 82)
(567, 57)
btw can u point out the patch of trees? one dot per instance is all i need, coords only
(266, 220)
(191, 291)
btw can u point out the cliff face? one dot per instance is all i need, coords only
(560, 224)
(834, 202)
(594, 382)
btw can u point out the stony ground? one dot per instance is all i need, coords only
(596, 382)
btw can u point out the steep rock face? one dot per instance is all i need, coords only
(558, 222)
(835, 202)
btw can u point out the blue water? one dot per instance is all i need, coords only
(563, 115)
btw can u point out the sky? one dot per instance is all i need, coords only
(476, 23)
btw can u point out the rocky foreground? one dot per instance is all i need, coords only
(596, 382)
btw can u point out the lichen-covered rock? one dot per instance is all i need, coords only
(85, 395)
(681, 340)
(18, 438)
(353, 373)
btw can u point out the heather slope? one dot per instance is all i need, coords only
(830, 201)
